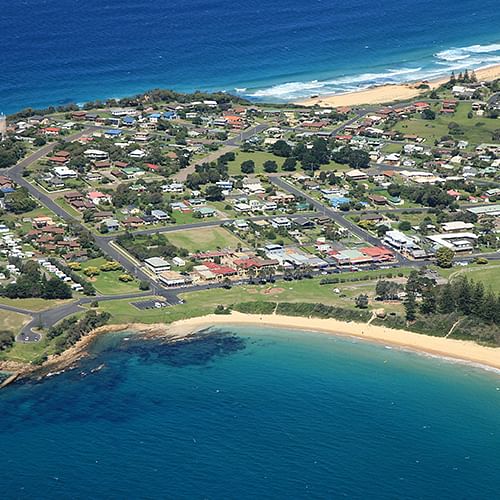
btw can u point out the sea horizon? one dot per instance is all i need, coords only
(101, 52)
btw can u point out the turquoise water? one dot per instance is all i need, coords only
(246, 413)
(58, 51)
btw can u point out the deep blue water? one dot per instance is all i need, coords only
(253, 414)
(58, 51)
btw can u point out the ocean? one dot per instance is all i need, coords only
(59, 51)
(250, 413)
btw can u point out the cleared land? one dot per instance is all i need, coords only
(32, 304)
(476, 130)
(489, 274)
(12, 321)
(210, 238)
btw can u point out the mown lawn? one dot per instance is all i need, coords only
(32, 304)
(489, 274)
(204, 302)
(203, 239)
(107, 283)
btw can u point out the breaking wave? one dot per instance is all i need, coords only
(441, 64)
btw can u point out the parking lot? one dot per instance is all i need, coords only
(150, 304)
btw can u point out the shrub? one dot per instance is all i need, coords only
(125, 278)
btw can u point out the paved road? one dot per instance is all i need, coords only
(49, 317)
(337, 217)
(227, 146)
(103, 243)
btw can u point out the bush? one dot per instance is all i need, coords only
(125, 278)
(144, 285)
(110, 265)
(255, 307)
(220, 309)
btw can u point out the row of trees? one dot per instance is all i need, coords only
(428, 196)
(462, 295)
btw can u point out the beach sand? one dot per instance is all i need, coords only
(438, 346)
(460, 350)
(389, 93)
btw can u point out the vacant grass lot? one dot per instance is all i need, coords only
(477, 129)
(12, 322)
(32, 304)
(259, 157)
(203, 239)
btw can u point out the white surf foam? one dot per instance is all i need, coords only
(443, 63)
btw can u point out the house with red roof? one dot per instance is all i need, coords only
(378, 254)
(51, 131)
(220, 271)
(97, 198)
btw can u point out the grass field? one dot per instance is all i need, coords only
(25, 353)
(204, 302)
(107, 283)
(32, 304)
(12, 321)
(477, 129)
(259, 157)
(203, 239)
(489, 274)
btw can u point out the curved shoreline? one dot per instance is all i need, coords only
(463, 351)
(382, 94)
(457, 350)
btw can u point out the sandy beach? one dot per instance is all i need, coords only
(460, 350)
(437, 346)
(389, 93)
